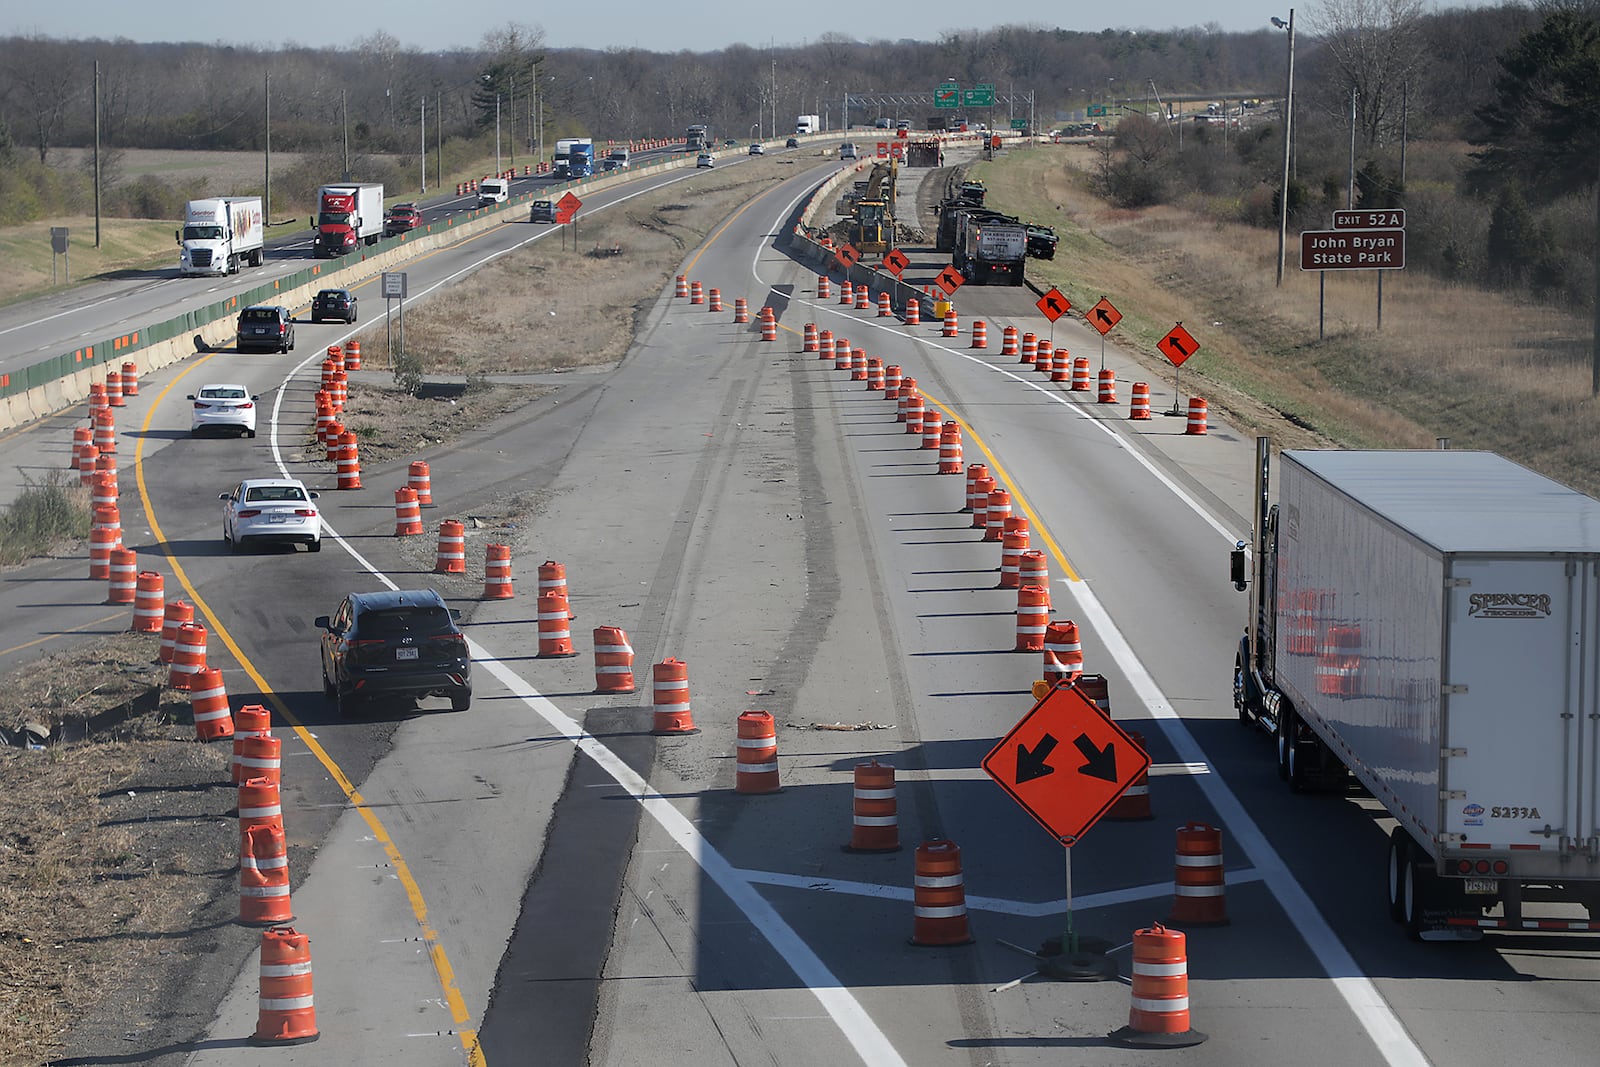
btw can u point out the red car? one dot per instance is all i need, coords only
(400, 219)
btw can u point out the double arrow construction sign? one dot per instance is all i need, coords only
(1066, 763)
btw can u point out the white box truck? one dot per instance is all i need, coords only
(494, 191)
(1428, 623)
(220, 235)
(804, 124)
(348, 215)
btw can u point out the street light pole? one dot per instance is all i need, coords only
(1288, 129)
(497, 167)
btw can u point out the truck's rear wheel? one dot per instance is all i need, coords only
(1399, 856)
(1285, 737)
(1239, 702)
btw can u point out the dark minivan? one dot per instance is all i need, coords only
(402, 644)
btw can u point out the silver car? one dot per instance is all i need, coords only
(226, 408)
(271, 511)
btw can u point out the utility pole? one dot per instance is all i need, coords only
(344, 111)
(424, 155)
(1288, 131)
(1350, 189)
(97, 153)
(266, 142)
(513, 143)
(438, 136)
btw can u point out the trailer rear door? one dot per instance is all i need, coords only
(1521, 642)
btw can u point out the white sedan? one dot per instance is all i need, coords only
(271, 511)
(225, 407)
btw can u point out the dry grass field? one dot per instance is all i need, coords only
(1478, 367)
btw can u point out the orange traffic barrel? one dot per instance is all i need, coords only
(613, 661)
(682, 286)
(349, 462)
(875, 375)
(863, 298)
(1134, 803)
(932, 426)
(939, 896)
(741, 309)
(980, 334)
(1139, 406)
(1033, 569)
(875, 818)
(148, 610)
(82, 438)
(824, 289)
(1097, 690)
(847, 293)
(555, 625)
(979, 499)
(208, 702)
(1106, 383)
(497, 573)
(1199, 883)
(999, 510)
(188, 655)
(1008, 341)
(419, 481)
(1030, 347)
(1159, 1013)
(975, 471)
(1080, 374)
(841, 353)
(1063, 650)
(130, 379)
(176, 613)
(124, 576)
(287, 1014)
(808, 335)
(891, 381)
(952, 324)
(950, 447)
(264, 877)
(913, 312)
(352, 356)
(757, 758)
(1197, 417)
(697, 293)
(714, 300)
(452, 552)
(670, 683)
(1059, 365)
(1033, 616)
(407, 512)
(1013, 543)
(885, 308)
(114, 389)
(260, 803)
(250, 723)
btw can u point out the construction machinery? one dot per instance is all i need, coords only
(871, 224)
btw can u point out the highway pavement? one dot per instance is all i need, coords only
(541, 880)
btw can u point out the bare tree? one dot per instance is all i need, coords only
(44, 78)
(1376, 47)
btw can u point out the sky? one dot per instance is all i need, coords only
(648, 24)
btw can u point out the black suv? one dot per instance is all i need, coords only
(333, 304)
(542, 211)
(394, 644)
(270, 329)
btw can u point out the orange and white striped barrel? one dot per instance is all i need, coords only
(97, 398)
(1008, 341)
(1033, 616)
(994, 519)
(769, 325)
(1060, 366)
(841, 353)
(87, 456)
(875, 374)
(1199, 882)
(407, 512)
(264, 877)
(863, 298)
(1106, 386)
(932, 427)
(714, 300)
(858, 365)
(497, 573)
(123, 586)
(1097, 691)
(913, 312)
(287, 1013)
(952, 324)
(352, 356)
(176, 613)
(939, 896)
(741, 309)
(950, 447)
(339, 389)
(1032, 569)
(875, 813)
(1013, 543)
(102, 541)
(891, 381)
(335, 356)
(105, 431)
(670, 683)
(1158, 1015)
(114, 389)
(824, 287)
(682, 287)
(1197, 417)
(452, 554)
(1030, 347)
(553, 576)
(980, 502)
(149, 589)
(1139, 406)
(208, 702)
(908, 389)
(82, 438)
(109, 517)
(251, 722)
(885, 308)
(419, 481)
(1080, 374)
(260, 758)
(847, 293)
(915, 406)
(259, 803)
(809, 338)
(757, 759)
(1063, 643)
(1134, 803)
(697, 294)
(188, 655)
(349, 462)
(335, 441)
(613, 661)
(825, 344)
(324, 416)
(975, 471)
(555, 625)
(130, 378)
(103, 489)
(980, 334)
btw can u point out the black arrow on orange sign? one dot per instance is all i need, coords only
(1057, 308)
(1102, 763)
(1104, 316)
(1177, 346)
(1031, 765)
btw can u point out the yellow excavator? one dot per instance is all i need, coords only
(872, 216)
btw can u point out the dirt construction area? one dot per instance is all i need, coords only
(118, 863)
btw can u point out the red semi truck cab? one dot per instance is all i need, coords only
(347, 217)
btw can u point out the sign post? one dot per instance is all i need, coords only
(1104, 317)
(1360, 240)
(1053, 305)
(1177, 346)
(394, 288)
(60, 247)
(1066, 788)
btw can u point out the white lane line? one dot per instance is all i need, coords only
(1026, 909)
(1375, 1014)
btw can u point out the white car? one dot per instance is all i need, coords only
(271, 511)
(705, 159)
(223, 407)
(758, 149)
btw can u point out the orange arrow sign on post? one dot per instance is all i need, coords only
(1104, 317)
(1066, 763)
(950, 280)
(567, 207)
(847, 255)
(1178, 345)
(896, 262)
(1054, 304)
